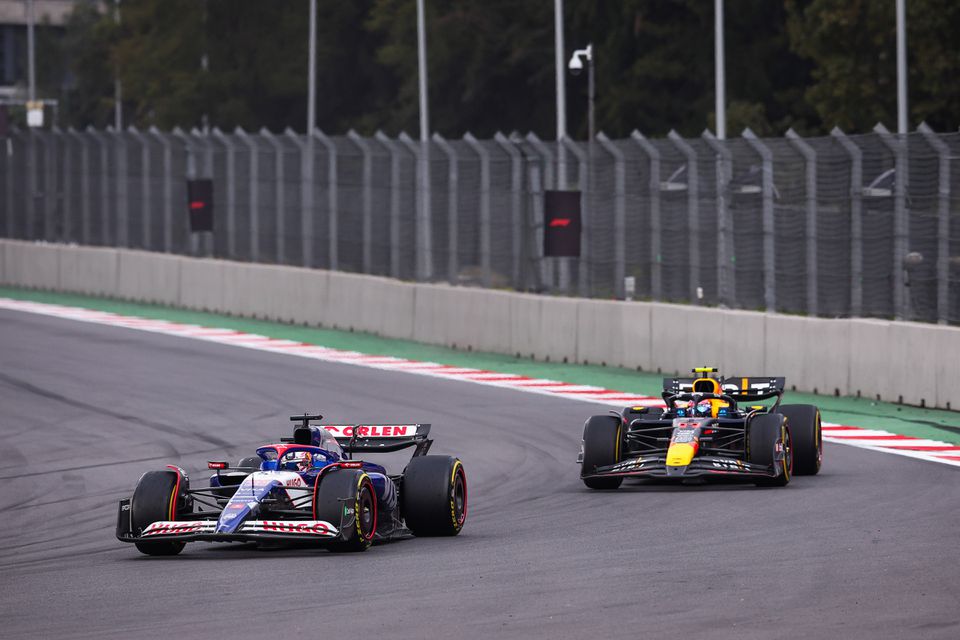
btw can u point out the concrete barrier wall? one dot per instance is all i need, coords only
(895, 361)
(31, 265)
(88, 270)
(148, 277)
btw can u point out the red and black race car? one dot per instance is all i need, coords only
(709, 428)
(308, 488)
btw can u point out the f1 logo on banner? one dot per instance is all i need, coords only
(561, 232)
(200, 204)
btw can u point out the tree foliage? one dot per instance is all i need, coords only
(806, 64)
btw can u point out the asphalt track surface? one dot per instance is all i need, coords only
(867, 549)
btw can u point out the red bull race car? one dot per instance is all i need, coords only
(308, 488)
(711, 427)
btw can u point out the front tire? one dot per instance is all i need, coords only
(806, 436)
(434, 496)
(601, 448)
(769, 444)
(155, 500)
(346, 492)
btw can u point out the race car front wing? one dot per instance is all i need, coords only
(704, 466)
(205, 530)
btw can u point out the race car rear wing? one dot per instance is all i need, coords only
(743, 389)
(366, 438)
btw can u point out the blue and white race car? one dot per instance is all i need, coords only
(307, 488)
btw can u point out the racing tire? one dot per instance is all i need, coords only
(434, 496)
(154, 500)
(342, 493)
(767, 434)
(806, 437)
(250, 463)
(601, 447)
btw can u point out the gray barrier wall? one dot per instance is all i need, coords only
(895, 361)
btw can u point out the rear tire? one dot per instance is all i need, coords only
(434, 496)
(806, 436)
(601, 448)
(768, 435)
(340, 490)
(153, 501)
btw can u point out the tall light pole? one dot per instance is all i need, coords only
(576, 66)
(117, 88)
(720, 70)
(902, 115)
(561, 94)
(31, 65)
(424, 257)
(306, 166)
(312, 79)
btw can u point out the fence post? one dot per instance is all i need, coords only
(306, 197)
(192, 173)
(104, 185)
(536, 224)
(769, 251)
(280, 195)
(901, 228)
(484, 206)
(231, 190)
(145, 199)
(31, 191)
(67, 199)
(619, 213)
(423, 263)
(167, 188)
(202, 138)
(333, 216)
(554, 277)
(693, 218)
(394, 151)
(726, 254)
(453, 182)
(8, 183)
(49, 192)
(254, 206)
(856, 220)
(584, 287)
(656, 259)
(123, 201)
(366, 199)
(516, 202)
(943, 221)
(810, 169)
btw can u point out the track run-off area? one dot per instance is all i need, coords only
(91, 400)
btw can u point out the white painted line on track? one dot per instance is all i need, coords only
(872, 439)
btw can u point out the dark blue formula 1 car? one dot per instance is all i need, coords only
(308, 488)
(710, 428)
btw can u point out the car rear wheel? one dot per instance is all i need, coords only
(346, 499)
(155, 500)
(768, 440)
(601, 448)
(806, 436)
(434, 496)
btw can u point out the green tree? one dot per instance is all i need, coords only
(852, 45)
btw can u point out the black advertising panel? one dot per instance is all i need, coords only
(200, 204)
(561, 233)
(4, 121)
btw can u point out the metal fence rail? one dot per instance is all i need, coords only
(837, 226)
